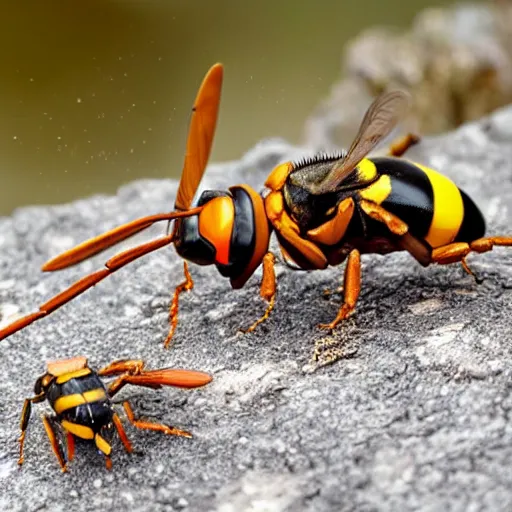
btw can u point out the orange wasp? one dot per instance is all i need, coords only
(323, 210)
(83, 406)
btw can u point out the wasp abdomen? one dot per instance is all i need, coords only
(82, 400)
(433, 207)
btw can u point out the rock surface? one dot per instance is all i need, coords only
(458, 58)
(416, 419)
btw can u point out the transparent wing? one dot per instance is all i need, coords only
(380, 119)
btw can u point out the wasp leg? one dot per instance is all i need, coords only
(419, 249)
(25, 418)
(155, 379)
(126, 366)
(122, 434)
(186, 285)
(131, 366)
(352, 287)
(267, 289)
(458, 251)
(400, 146)
(147, 425)
(394, 224)
(70, 442)
(51, 432)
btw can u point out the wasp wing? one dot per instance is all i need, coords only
(380, 119)
(169, 377)
(200, 136)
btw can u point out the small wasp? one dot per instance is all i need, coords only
(324, 210)
(83, 406)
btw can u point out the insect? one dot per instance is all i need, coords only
(323, 210)
(83, 406)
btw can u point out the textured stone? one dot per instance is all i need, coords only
(416, 419)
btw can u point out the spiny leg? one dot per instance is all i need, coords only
(186, 285)
(352, 287)
(147, 425)
(399, 146)
(49, 426)
(267, 289)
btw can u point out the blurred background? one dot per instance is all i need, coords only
(97, 93)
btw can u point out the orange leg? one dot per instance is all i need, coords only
(113, 264)
(186, 285)
(131, 366)
(147, 425)
(52, 436)
(394, 224)
(352, 287)
(458, 251)
(401, 145)
(70, 441)
(122, 434)
(419, 249)
(267, 289)
(126, 366)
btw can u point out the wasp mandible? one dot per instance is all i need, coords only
(323, 210)
(83, 406)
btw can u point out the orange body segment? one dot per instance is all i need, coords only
(331, 232)
(277, 178)
(288, 229)
(216, 225)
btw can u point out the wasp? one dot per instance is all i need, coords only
(83, 405)
(324, 211)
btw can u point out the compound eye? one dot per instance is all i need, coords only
(216, 222)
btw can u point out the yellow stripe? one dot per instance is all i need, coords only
(63, 403)
(448, 209)
(102, 444)
(78, 430)
(73, 375)
(366, 170)
(379, 191)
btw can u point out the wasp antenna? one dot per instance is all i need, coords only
(102, 242)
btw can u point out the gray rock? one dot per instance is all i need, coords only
(416, 419)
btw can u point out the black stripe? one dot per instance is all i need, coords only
(412, 197)
(94, 415)
(74, 386)
(243, 238)
(473, 223)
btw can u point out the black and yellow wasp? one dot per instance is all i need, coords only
(323, 210)
(83, 406)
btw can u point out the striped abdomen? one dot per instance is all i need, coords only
(433, 207)
(81, 401)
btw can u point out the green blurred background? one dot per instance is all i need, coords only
(97, 93)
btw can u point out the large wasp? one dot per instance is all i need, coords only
(83, 406)
(323, 210)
